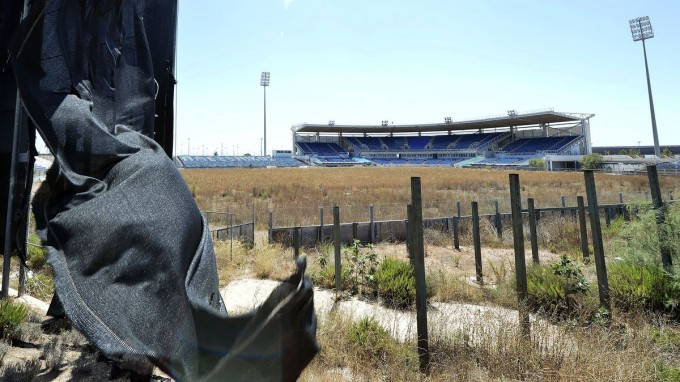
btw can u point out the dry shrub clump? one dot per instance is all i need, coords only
(262, 261)
(53, 353)
(493, 351)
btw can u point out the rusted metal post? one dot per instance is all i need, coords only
(321, 238)
(372, 223)
(296, 242)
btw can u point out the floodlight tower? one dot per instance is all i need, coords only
(264, 82)
(641, 29)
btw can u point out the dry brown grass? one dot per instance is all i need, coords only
(262, 261)
(296, 194)
(486, 352)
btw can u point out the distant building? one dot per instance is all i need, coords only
(282, 153)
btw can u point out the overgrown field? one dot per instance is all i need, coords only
(295, 195)
(572, 338)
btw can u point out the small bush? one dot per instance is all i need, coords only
(37, 257)
(53, 353)
(636, 285)
(396, 283)
(537, 162)
(369, 340)
(553, 289)
(25, 371)
(12, 314)
(30, 332)
(5, 346)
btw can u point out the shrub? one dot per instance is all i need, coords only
(636, 285)
(537, 162)
(53, 353)
(25, 371)
(553, 289)
(37, 257)
(362, 266)
(359, 265)
(591, 161)
(395, 283)
(12, 314)
(369, 340)
(5, 346)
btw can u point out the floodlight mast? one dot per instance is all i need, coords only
(641, 29)
(264, 82)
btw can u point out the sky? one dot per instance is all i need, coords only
(364, 61)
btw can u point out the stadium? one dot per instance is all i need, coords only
(510, 140)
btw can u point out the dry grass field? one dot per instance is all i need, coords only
(296, 194)
(640, 343)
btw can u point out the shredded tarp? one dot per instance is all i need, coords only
(133, 260)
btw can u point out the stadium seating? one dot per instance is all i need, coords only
(321, 148)
(538, 145)
(187, 161)
(418, 143)
(366, 143)
(513, 160)
(394, 143)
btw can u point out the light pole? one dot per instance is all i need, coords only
(264, 82)
(641, 29)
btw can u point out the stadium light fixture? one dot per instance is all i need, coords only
(641, 29)
(264, 82)
(385, 123)
(512, 113)
(447, 120)
(331, 123)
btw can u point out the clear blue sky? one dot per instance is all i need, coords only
(361, 62)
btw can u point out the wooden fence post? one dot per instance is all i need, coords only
(271, 224)
(336, 244)
(372, 223)
(564, 205)
(458, 209)
(321, 224)
(252, 234)
(520, 262)
(355, 231)
(231, 234)
(584, 229)
(660, 211)
(607, 217)
(419, 272)
(598, 249)
(456, 233)
(498, 222)
(296, 242)
(477, 242)
(409, 232)
(533, 230)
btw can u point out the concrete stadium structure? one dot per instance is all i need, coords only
(509, 140)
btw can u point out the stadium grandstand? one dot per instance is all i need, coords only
(509, 140)
(217, 161)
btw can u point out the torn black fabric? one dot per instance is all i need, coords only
(133, 260)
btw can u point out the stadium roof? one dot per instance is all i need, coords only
(518, 119)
